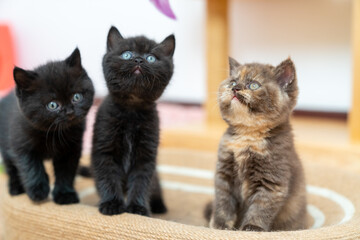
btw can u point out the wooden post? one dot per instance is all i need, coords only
(217, 55)
(354, 118)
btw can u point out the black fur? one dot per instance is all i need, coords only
(126, 132)
(30, 132)
(85, 171)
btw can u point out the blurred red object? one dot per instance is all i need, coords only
(7, 60)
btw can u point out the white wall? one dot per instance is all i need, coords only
(315, 33)
(51, 29)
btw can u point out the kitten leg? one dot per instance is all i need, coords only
(14, 183)
(108, 180)
(225, 204)
(263, 207)
(138, 185)
(33, 176)
(65, 167)
(156, 200)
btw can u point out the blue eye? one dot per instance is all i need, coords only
(77, 97)
(233, 84)
(126, 55)
(52, 106)
(151, 58)
(254, 85)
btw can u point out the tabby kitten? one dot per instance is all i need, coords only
(259, 182)
(126, 131)
(45, 118)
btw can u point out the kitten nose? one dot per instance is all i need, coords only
(236, 88)
(138, 60)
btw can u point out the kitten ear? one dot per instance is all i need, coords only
(74, 60)
(233, 66)
(285, 73)
(113, 38)
(168, 45)
(23, 79)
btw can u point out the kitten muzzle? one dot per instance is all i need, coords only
(239, 98)
(71, 117)
(137, 70)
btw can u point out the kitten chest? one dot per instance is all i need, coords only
(136, 135)
(239, 145)
(245, 150)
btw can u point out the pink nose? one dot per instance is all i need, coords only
(236, 88)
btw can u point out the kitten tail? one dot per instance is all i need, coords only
(208, 211)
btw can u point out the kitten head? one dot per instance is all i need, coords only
(258, 95)
(137, 68)
(57, 93)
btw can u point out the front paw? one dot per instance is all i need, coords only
(138, 209)
(112, 207)
(253, 228)
(15, 188)
(65, 196)
(38, 192)
(222, 224)
(157, 206)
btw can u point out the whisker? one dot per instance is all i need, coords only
(53, 138)
(47, 134)
(60, 136)
(63, 134)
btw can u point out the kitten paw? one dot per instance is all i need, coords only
(112, 207)
(138, 209)
(222, 226)
(15, 188)
(38, 192)
(65, 197)
(253, 228)
(157, 206)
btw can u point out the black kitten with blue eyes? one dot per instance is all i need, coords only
(45, 118)
(126, 131)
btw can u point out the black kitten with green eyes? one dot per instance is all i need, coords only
(45, 118)
(126, 131)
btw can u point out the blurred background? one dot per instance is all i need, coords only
(315, 33)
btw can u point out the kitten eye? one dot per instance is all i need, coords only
(126, 55)
(77, 97)
(254, 85)
(151, 58)
(232, 83)
(53, 106)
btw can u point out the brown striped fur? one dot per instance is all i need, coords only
(259, 182)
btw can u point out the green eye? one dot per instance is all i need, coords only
(53, 106)
(77, 97)
(126, 55)
(233, 83)
(151, 58)
(254, 86)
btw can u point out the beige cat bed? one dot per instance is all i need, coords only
(187, 178)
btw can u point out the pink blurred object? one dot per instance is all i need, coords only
(164, 7)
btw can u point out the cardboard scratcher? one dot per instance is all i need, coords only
(187, 180)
